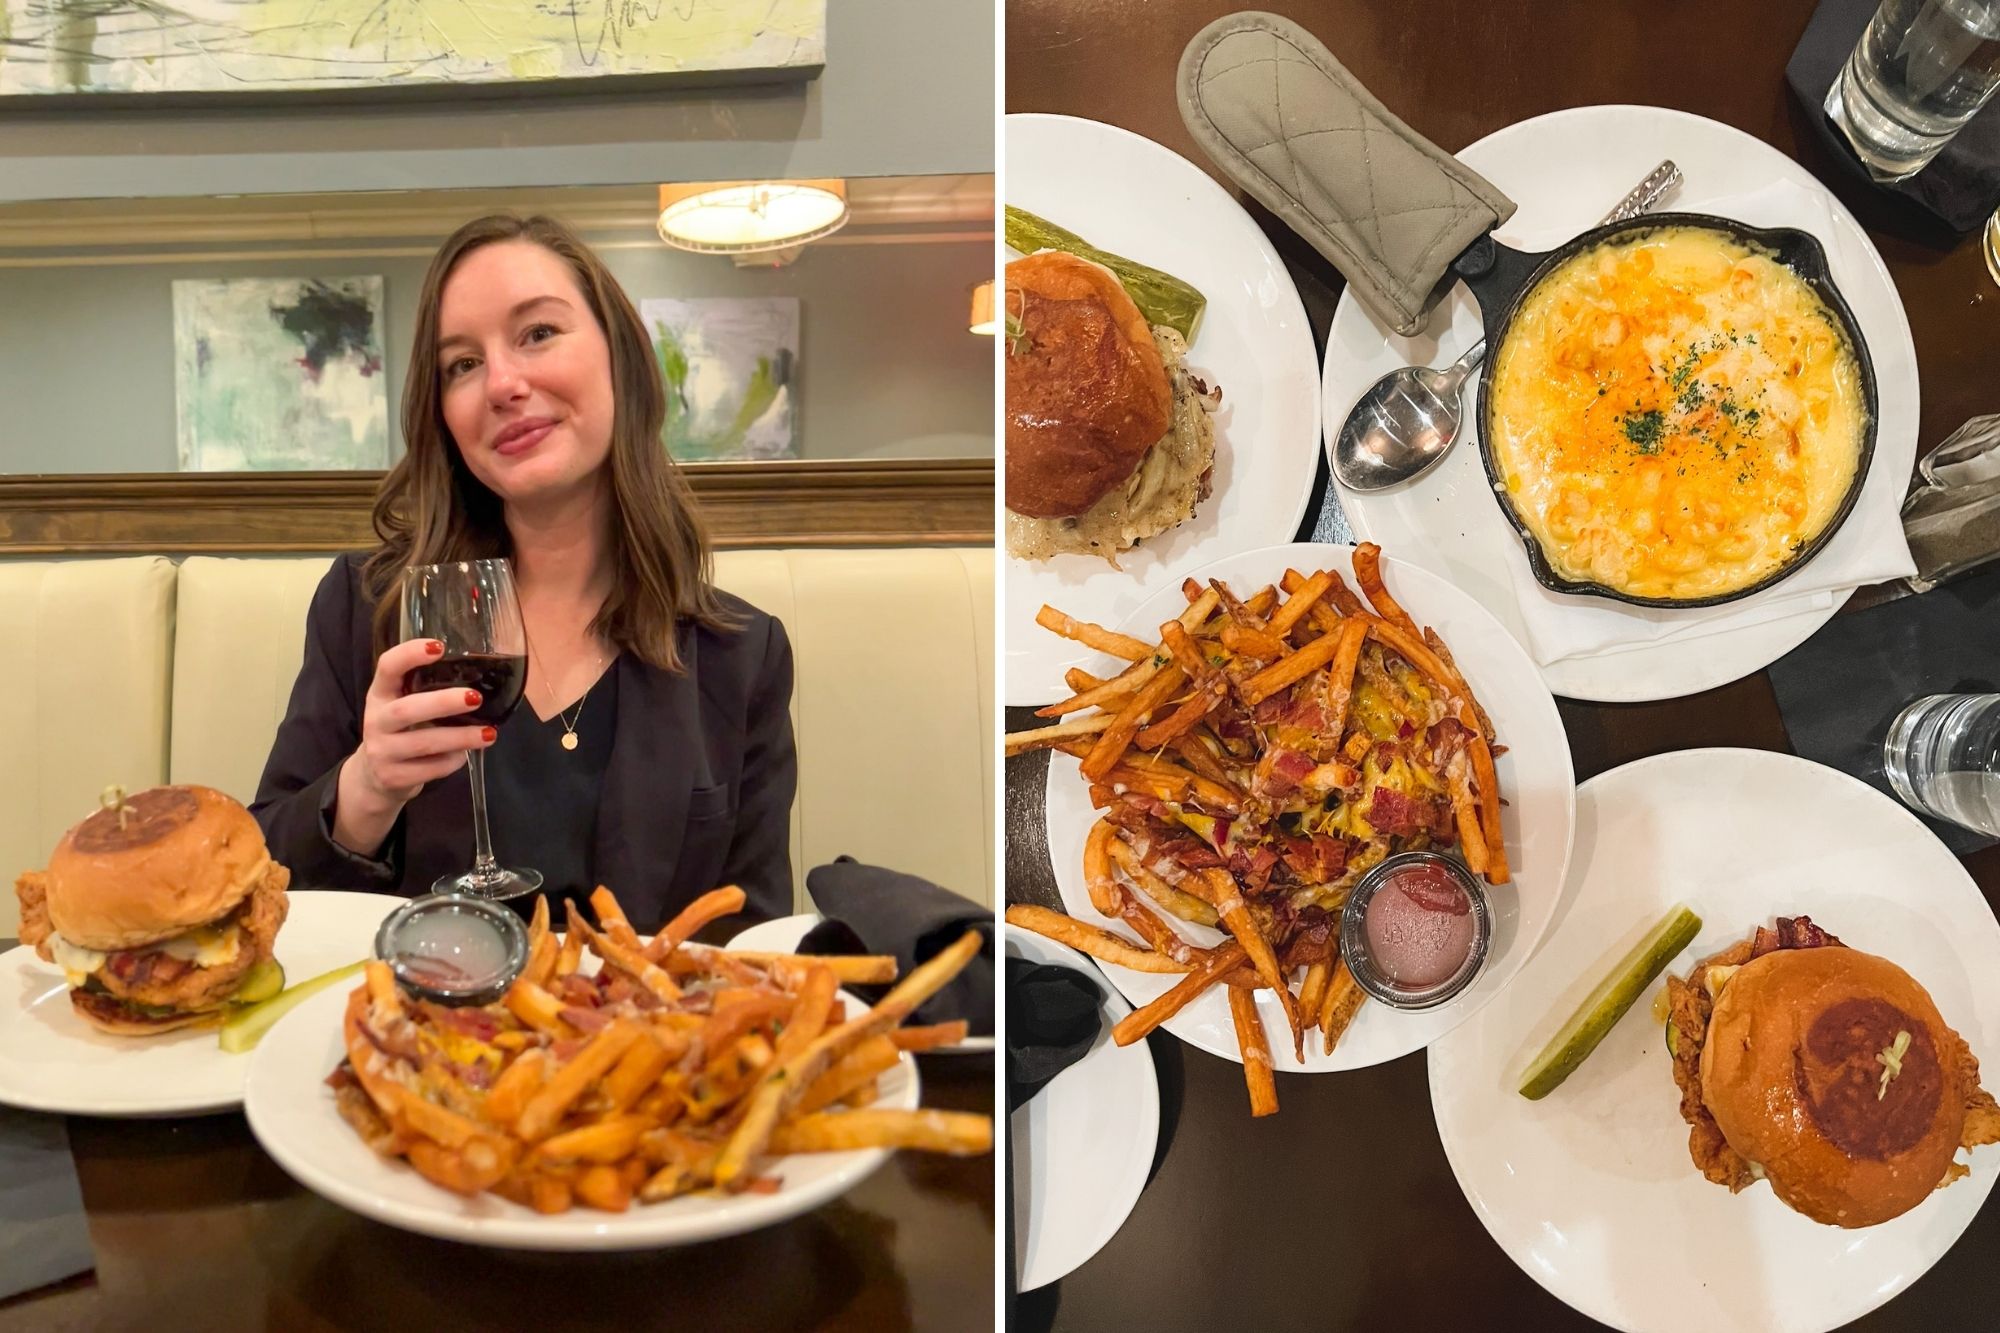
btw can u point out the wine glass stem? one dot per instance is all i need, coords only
(483, 865)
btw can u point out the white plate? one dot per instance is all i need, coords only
(1566, 169)
(782, 935)
(1131, 196)
(291, 1112)
(1535, 778)
(1082, 1147)
(1590, 1190)
(51, 1060)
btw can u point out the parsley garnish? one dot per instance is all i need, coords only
(1644, 430)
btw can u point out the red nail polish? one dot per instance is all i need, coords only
(434, 648)
(472, 698)
(487, 734)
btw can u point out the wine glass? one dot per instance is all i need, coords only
(469, 607)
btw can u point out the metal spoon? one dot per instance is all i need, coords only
(1409, 419)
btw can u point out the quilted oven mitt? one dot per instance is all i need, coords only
(1289, 124)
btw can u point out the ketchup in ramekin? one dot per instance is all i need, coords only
(1415, 930)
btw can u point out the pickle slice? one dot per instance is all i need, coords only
(247, 1026)
(1161, 297)
(1600, 1012)
(264, 980)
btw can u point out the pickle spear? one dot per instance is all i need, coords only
(1161, 297)
(247, 1026)
(1600, 1012)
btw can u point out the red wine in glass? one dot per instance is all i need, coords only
(499, 678)
(469, 606)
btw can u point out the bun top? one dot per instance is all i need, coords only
(1087, 391)
(169, 859)
(1792, 1071)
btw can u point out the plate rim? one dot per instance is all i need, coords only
(1806, 620)
(1114, 1002)
(1449, 1139)
(1017, 693)
(1528, 948)
(642, 1227)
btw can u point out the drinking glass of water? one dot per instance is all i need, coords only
(1919, 72)
(1943, 758)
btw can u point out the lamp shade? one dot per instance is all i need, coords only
(982, 309)
(743, 217)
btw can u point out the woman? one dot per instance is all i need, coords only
(652, 751)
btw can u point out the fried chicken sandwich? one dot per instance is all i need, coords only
(1109, 438)
(1826, 1071)
(161, 909)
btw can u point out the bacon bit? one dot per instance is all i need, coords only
(580, 991)
(402, 1045)
(1315, 860)
(1394, 814)
(1280, 772)
(563, 1050)
(1404, 731)
(1793, 932)
(1253, 866)
(1446, 738)
(585, 1019)
(466, 1021)
(341, 1077)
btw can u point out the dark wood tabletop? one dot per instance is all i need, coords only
(1308, 1219)
(195, 1227)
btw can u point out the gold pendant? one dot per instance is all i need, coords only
(569, 740)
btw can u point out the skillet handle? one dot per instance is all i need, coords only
(1496, 274)
(1282, 118)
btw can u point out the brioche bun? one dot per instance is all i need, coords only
(181, 857)
(1792, 1071)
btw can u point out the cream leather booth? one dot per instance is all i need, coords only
(140, 671)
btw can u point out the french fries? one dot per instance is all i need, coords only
(1250, 767)
(667, 1069)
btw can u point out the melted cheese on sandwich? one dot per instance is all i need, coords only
(1675, 416)
(204, 946)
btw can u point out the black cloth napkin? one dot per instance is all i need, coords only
(44, 1234)
(1961, 186)
(1839, 690)
(870, 910)
(1053, 1017)
(1054, 1014)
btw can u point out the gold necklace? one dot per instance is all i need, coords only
(569, 741)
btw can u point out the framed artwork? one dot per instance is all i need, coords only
(731, 371)
(280, 374)
(283, 47)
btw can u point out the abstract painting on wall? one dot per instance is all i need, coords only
(731, 368)
(282, 46)
(280, 374)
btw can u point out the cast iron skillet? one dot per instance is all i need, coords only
(1500, 277)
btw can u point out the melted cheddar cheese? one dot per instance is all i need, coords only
(1675, 416)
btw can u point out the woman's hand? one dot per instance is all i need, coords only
(399, 752)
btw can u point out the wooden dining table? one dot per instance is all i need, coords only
(1341, 1211)
(194, 1227)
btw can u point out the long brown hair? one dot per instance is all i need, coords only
(431, 509)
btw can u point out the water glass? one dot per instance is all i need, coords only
(1942, 757)
(1920, 71)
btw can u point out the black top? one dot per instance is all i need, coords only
(696, 792)
(541, 800)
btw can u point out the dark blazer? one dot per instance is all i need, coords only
(697, 792)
